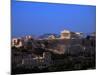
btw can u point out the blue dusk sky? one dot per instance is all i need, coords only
(38, 18)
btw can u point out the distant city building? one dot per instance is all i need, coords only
(13, 41)
(51, 37)
(66, 34)
(28, 37)
(93, 35)
(16, 42)
(79, 34)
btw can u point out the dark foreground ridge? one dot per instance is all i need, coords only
(54, 55)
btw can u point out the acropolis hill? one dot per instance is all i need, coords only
(69, 51)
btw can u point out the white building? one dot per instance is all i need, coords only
(51, 37)
(65, 34)
(16, 42)
(79, 34)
